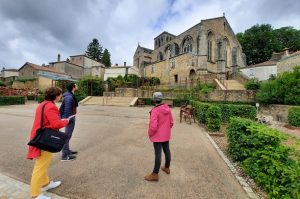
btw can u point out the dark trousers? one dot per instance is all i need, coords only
(157, 150)
(68, 131)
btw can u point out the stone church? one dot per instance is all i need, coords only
(209, 47)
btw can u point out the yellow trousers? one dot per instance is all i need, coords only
(39, 176)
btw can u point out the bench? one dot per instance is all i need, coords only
(187, 111)
(140, 103)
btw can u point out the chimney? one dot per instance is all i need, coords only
(58, 57)
(124, 63)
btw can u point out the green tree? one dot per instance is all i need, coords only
(288, 37)
(285, 89)
(90, 86)
(94, 50)
(106, 58)
(258, 43)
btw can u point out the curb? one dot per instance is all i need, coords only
(241, 180)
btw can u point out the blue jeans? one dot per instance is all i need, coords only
(158, 146)
(68, 131)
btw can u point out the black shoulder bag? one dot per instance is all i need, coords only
(48, 139)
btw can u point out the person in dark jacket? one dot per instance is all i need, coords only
(69, 108)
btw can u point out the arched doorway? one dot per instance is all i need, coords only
(192, 76)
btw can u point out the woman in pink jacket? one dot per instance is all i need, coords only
(161, 122)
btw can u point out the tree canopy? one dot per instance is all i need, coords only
(260, 41)
(94, 50)
(106, 58)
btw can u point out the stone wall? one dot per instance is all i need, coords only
(278, 112)
(288, 63)
(216, 95)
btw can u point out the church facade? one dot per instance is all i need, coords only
(209, 47)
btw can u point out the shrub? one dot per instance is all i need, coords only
(213, 118)
(41, 98)
(252, 84)
(2, 84)
(231, 110)
(12, 100)
(90, 86)
(294, 116)
(31, 97)
(272, 169)
(283, 90)
(245, 136)
(200, 110)
(147, 101)
(180, 102)
(264, 158)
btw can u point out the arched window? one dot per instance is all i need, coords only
(160, 56)
(175, 50)
(187, 45)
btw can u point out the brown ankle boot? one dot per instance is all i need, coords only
(166, 170)
(152, 177)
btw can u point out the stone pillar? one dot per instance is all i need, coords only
(220, 57)
(202, 56)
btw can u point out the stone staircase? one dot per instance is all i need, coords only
(233, 85)
(110, 101)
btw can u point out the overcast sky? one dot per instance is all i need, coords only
(37, 30)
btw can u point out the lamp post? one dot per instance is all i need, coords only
(257, 105)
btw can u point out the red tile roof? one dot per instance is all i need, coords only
(41, 68)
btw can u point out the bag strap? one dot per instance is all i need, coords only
(42, 116)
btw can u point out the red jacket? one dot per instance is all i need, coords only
(161, 122)
(51, 120)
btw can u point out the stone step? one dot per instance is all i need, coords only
(110, 101)
(233, 85)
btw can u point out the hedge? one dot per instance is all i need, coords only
(213, 118)
(230, 110)
(260, 151)
(246, 136)
(12, 100)
(201, 110)
(176, 102)
(227, 111)
(31, 97)
(294, 116)
(41, 98)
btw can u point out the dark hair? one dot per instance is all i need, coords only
(70, 86)
(51, 93)
(157, 101)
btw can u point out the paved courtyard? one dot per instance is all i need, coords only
(115, 154)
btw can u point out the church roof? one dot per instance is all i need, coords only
(165, 32)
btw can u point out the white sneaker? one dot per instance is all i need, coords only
(51, 185)
(41, 196)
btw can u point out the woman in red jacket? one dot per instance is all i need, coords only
(40, 180)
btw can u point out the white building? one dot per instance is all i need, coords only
(7, 75)
(264, 70)
(116, 70)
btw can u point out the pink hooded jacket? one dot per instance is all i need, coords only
(161, 122)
